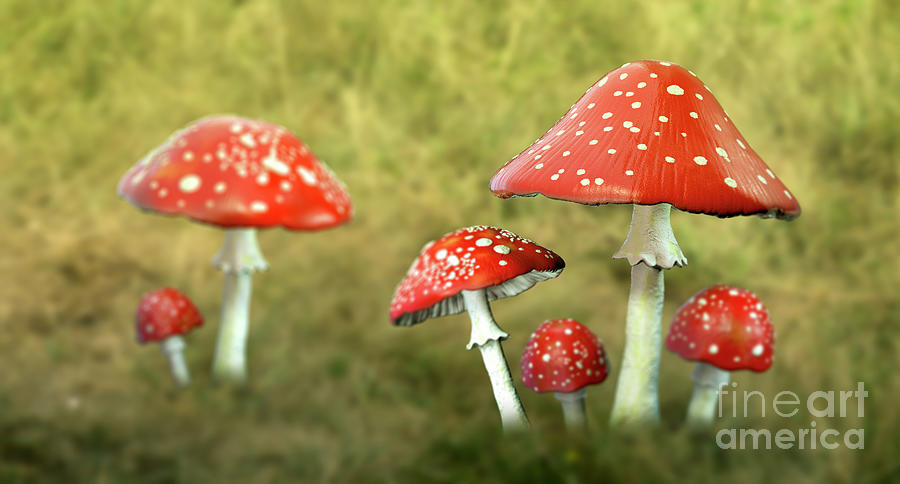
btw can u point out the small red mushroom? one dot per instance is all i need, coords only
(463, 271)
(240, 175)
(564, 356)
(164, 316)
(723, 329)
(650, 134)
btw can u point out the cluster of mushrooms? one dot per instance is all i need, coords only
(649, 133)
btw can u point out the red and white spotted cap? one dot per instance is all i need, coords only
(164, 313)
(724, 326)
(646, 133)
(236, 172)
(563, 356)
(469, 259)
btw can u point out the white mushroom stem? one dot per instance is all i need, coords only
(649, 247)
(486, 335)
(173, 348)
(708, 380)
(573, 409)
(239, 257)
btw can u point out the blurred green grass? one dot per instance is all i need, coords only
(414, 105)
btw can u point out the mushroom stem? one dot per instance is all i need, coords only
(486, 335)
(173, 348)
(636, 400)
(649, 247)
(573, 409)
(239, 257)
(708, 380)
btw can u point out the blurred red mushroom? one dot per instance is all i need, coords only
(240, 175)
(564, 357)
(164, 316)
(650, 134)
(723, 329)
(464, 271)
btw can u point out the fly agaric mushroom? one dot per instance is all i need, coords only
(650, 134)
(464, 271)
(723, 329)
(564, 357)
(240, 175)
(163, 316)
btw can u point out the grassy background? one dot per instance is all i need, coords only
(415, 105)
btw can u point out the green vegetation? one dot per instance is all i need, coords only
(415, 105)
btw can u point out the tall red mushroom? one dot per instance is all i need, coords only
(723, 329)
(240, 175)
(564, 357)
(163, 316)
(649, 134)
(465, 270)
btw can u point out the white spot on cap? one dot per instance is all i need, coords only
(258, 207)
(694, 115)
(721, 151)
(664, 119)
(501, 249)
(580, 171)
(276, 165)
(607, 115)
(546, 357)
(453, 260)
(653, 75)
(623, 75)
(538, 166)
(593, 142)
(247, 140)
(187, 156)
(483, 242)
(627, 124)
(669, 159)
(642, 146)
(566, 153)
(611, 151)
(700, 160)
(585, 181)
(641, 84)
(502, 262)
(713, 349)
(635, 105)
(741, 143)
(591, 106)
(307, 175)
(598, 181)
(189, 183)
(629, 172)
(762, 179)
(617, 93)
(757, 350)
(730, 182)
(769, 172)
(675, 90)
(788, 194)
(220, 187)
(441, 254)
(699, 96)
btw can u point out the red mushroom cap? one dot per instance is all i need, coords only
(724, 326)
(164, 313)
(471, 258)
(646, 133)
(237, 172)
(563, 356)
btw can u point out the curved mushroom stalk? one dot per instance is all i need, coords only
(650, 247)
(173, 349)
(707, 381)
(486, 335)
(239, 257)
(573, 408)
